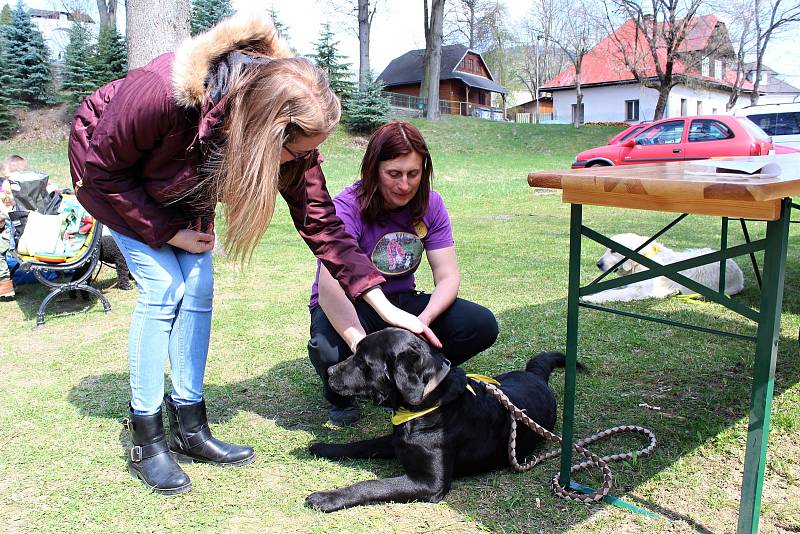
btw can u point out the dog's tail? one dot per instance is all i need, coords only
(543, 364)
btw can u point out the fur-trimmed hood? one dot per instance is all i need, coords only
(196, 57)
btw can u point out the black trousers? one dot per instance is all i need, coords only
(465, 329)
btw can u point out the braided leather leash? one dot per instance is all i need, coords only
(592, 459)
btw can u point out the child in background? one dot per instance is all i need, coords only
(11, 164)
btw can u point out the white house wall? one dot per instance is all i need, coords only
(607, 104)
(712, 101)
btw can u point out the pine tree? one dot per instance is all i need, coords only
(283, 29)
(367, 108)
(8, 121)
(206, 13)
(110, 60)
(28, 58)
(5, 15)
(78, 74)
(328, 59)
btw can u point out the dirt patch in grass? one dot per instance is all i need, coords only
(50, 123)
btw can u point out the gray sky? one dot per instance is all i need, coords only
(397, 28)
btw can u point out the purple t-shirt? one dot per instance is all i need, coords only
(394, 245)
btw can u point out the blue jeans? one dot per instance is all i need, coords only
(172, 318)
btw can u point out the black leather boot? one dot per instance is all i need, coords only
(149, 459)
(191, 439)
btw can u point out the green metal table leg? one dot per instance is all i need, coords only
(764, 372)
(723, 246)
(575, 225)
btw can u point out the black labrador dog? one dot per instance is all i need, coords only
(464, 433)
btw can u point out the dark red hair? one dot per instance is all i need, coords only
(392, 140)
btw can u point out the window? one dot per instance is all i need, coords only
(713, 111)
(482, 98)
(580, 119)
(631, 110)
(719, 69)
(699, 107)
(708, 130)
(782, 123)
(684, 107)
(631, 133)
(705, 66)
(469, 64)
(665, 133)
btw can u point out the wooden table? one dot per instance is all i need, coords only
(688, 188)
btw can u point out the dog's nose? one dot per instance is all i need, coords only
(600, 265)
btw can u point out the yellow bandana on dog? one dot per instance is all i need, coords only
(403, 415)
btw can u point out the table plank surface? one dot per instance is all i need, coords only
(682, 186)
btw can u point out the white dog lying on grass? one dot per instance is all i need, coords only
(661, 287)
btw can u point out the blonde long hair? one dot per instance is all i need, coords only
(269, 105)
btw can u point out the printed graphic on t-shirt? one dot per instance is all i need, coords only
(397, 253)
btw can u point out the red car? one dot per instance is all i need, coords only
(682, 138)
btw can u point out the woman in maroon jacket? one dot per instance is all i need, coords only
(228, 118)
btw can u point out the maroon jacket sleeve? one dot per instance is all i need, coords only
(314, 216)
(135, 121)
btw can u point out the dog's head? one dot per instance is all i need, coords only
(631, 241)
(391, 367)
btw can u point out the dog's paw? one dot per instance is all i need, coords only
(125, 287)
(325, 501)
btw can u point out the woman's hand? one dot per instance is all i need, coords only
(192, 241)
(397, 317)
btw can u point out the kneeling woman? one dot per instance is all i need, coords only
(394, 216)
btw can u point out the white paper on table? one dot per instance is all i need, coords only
(767, 166)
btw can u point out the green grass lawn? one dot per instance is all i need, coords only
(64, 389)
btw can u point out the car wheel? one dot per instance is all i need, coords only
(598, 164)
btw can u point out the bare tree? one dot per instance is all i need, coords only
(468, 22)
(542, 59)
(432, 60)
(656, 42)
(108, 13)
(770, 16)
(575, 31)
(741, 30)
(155, 27)
(365, 15)
(501, 42)
(356, 16)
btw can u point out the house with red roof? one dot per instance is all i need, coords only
(611, 92)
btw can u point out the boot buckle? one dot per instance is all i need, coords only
(127, 424)
(136, 454)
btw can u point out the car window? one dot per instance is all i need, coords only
(630, 134)
(708, 130)
(665, 133)
(782, 123)
(754, 129)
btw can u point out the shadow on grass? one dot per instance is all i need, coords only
(30, 296)
(687, 390)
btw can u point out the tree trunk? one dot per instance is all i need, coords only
(661, 105)
(433, 52)
(108, 13)
(155, 27)
(364, 24)
(577, 119)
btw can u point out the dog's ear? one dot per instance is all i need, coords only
(417, 372)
